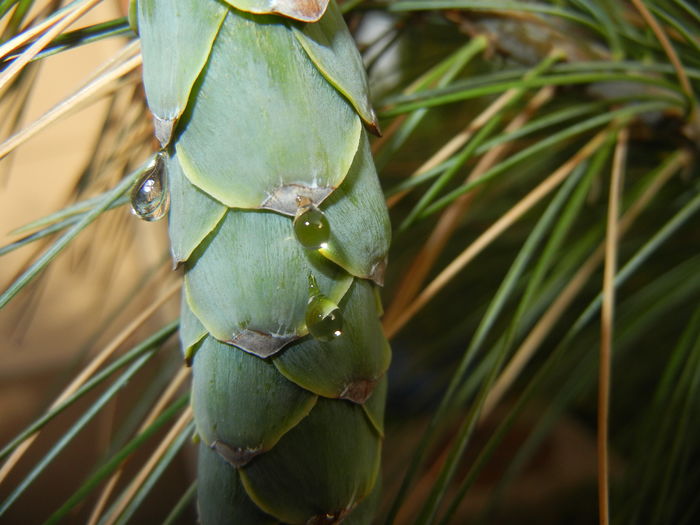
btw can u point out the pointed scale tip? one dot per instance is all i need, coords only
(304, 10)
(285, 199)
(378, 271)
(163, 130)
(261, 344)
(235, 456)
(358, 391)
(373, 125)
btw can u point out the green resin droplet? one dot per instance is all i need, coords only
(150, 198)
(311, 227)
(323, 317)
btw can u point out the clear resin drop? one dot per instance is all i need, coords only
(323, 317)
(150, 198)
(311, 227)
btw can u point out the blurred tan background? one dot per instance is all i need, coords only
(88, 295)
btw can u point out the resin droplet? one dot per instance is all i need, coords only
(323, 317)
(311, 227)
(150, 198)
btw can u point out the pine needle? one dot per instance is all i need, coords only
(156, 411)
(79, 9)
(459, 140)
(450, 218)
(572, 289)
(492, 233)
(668, 49)
(89, 370)
(116, 68)
(139, 479)
(606, 325)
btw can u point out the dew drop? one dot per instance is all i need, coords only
(311, 227)
(323, 317)
(150, 198)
